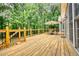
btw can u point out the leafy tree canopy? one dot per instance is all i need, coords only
(28, 15)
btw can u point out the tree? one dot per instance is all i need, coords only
(30, 15)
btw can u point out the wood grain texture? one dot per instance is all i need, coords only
(42, 45)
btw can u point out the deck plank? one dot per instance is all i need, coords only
(66, 51)
(58, 48)
(42, 45)
(62, 47)
(71, 49)
(47, 50)
(55, 48)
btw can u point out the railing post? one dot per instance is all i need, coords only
(19, 35)
(30, 32)
(46, 30)
(38, 31)
(24, 34)
(7, 40)
(43, 30)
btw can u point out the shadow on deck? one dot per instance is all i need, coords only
(42, 45)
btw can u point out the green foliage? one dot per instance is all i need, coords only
(30, 15)
(53, 26)
(2, 24)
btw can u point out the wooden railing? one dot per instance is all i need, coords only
(8, 31)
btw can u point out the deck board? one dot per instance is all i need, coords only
(42, 45)
(66, 51)
(58, 48)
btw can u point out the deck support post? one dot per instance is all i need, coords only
(7, 40)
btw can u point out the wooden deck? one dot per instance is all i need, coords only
(42, 45)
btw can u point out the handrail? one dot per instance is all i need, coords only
(7, 31)
(3, 30)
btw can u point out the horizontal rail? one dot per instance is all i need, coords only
(3, 30)
(16, 30)
(21, 30)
